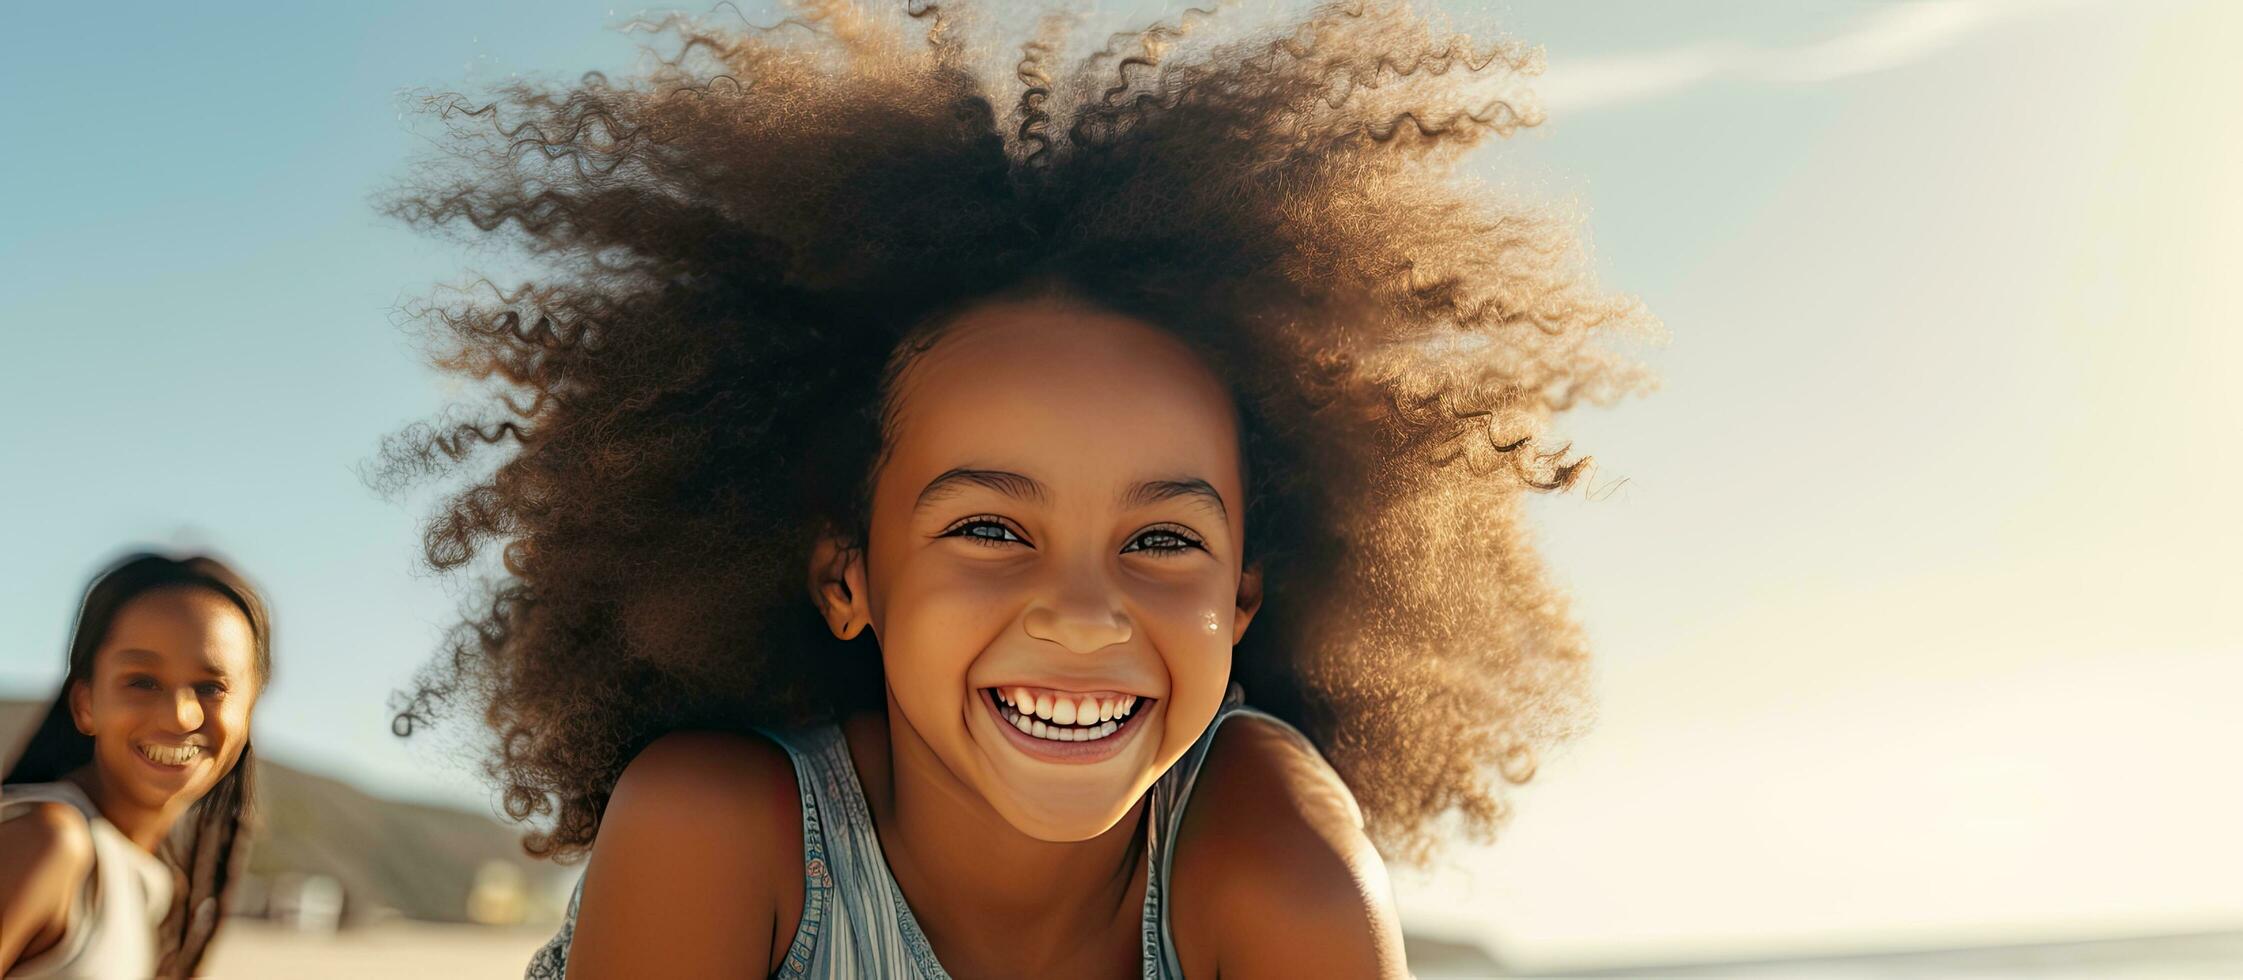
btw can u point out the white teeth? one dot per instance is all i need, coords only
(1066, 711)
(1087, 731)
(171, 755)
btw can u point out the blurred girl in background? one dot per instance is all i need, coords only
(121, 820)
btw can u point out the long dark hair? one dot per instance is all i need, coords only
(204, 863)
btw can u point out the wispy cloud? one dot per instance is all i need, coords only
(1886, 37)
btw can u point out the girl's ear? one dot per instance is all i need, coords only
(1249, 600)
(81, 707)
(837, 586)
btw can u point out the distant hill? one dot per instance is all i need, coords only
(419, 861)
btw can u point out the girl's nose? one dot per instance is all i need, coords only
(1081, 616)
(186, 710)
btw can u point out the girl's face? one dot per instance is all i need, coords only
(1055, 545)
(168, 704)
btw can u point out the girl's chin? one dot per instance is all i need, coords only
(1060, 814)
(1035, 818)
(1086, 802)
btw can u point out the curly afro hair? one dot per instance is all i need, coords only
(743, 244)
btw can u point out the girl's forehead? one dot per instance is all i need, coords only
(1076, 397)
(181, 627)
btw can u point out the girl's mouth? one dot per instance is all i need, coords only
(170, 758)
(1082, 729)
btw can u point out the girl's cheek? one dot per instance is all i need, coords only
(958, 596)
(236, 713)
(1194, 641)
(120, 712)
(1198, 615)
(929, 641)
(959, 608)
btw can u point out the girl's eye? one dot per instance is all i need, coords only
(212, 689)
(985, 540)
(1164, 541)
(143, 683)
(1173, 542)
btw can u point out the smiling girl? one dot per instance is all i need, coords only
(149, 734)
(1193, 379)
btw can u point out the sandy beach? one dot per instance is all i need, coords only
(249, 949)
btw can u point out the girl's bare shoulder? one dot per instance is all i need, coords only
(698, 861)
(44, 844)
(46, 830)
(46, 853)
(744, 775)
(1273, 872)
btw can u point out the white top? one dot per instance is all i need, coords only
(125, 898)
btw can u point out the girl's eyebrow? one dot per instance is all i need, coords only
(136, 655)
(1025, 488)
(956, 479)
(1152, 492)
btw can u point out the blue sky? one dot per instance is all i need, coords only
(1915, 607)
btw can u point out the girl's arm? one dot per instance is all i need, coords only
(45, 856)
(682, 877)
(1278, 866)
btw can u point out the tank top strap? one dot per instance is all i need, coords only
(1170, 797)
(855, 921)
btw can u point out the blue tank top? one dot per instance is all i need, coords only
(855, 922)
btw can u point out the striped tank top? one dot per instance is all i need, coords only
(855, 922)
